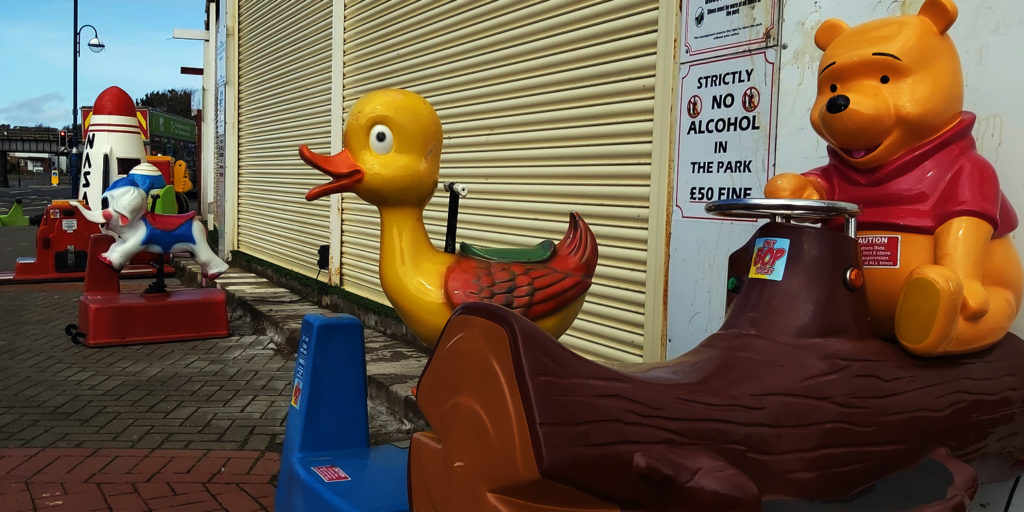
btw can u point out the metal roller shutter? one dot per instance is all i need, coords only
(284, 100)
(547, 107)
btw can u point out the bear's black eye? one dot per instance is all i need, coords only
(884, 79)
(833, 88)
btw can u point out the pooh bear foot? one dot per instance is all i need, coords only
(928, 310)
(937, 316)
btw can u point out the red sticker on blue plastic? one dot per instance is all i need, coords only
(331, 473)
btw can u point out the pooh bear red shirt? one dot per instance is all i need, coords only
(924, 187)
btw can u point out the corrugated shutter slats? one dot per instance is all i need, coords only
(547, 107)
(284, 100)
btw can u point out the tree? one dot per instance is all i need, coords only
(172, 101)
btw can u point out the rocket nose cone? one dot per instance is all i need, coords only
(114, 101)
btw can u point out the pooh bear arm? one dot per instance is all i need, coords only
(961, 244)
(795, 186)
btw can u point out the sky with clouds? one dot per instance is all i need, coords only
(36, 49)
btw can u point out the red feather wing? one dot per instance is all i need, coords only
(532, 290)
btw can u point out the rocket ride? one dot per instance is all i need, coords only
(113, 143)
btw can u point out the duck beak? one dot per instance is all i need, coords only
(344, 172)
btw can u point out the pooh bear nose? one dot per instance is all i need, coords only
(837, 104)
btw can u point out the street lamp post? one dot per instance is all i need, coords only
(96, 46)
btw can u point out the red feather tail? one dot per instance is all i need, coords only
(577, 252)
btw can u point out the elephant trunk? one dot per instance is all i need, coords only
(90, 215)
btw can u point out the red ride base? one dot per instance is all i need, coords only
(61, 243)
(108, 317)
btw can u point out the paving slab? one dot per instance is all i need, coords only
(54, 393)
(393, 367)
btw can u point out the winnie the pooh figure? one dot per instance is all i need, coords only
(890, 106)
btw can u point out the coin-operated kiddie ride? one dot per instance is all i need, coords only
(108, 317)
(113, 147)
(15, 216)
(792, 400)
(391, 160)
(942, 274)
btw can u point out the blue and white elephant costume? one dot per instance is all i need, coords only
(124, 212)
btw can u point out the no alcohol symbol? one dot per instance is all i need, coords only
(694, 106)
(751, 99)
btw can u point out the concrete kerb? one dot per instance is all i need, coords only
(393, 367)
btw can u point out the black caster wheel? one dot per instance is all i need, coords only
(77, 338)
(70, 329)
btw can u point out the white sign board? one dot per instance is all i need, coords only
(725, 149)
(717, 27)
(725, 130)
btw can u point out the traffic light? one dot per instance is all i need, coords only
(62, 140)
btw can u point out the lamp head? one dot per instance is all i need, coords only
(96, 45)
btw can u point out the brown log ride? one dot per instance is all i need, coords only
(791, 398)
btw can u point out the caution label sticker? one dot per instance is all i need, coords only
(880, 251)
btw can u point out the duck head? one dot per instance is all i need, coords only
(392, 151)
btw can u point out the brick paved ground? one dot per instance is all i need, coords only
(177, 426)
(224, 394)
(172, 426)
(85, 480)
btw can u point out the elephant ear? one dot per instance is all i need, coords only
(829, 30)
(133, 205)
(941, 13)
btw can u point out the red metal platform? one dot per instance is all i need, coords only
(108, 317)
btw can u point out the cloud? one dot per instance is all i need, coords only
(47, 109)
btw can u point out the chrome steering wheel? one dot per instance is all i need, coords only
(787, 210)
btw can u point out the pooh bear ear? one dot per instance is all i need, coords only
(942, 13)
(829, 30)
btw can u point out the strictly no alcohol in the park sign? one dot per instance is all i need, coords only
(724, 150)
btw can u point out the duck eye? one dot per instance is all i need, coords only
(884, 79)
(381, 140)
(833, 88)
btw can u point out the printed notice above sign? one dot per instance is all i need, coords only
(331, 473)
(718, 27)
(725, 130)
(880, 251)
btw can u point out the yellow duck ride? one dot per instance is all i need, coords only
(392, 160)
